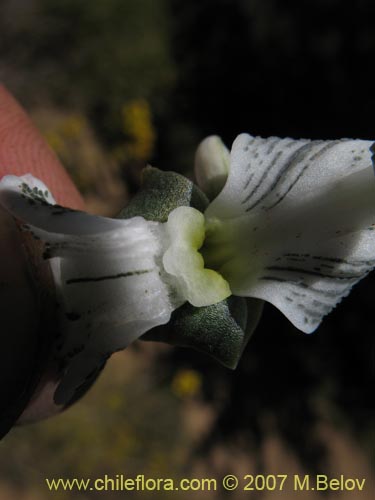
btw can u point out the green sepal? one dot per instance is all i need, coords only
(220, 330)
(162, 192)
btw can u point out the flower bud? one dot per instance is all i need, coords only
(211, 167)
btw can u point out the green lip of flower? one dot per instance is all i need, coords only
(293, 225)
(186, 231)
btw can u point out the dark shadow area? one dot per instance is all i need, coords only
(287, 69)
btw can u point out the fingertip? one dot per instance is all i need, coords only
(23, 150)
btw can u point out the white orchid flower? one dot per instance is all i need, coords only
(293, 225)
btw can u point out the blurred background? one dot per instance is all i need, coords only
(114, 85)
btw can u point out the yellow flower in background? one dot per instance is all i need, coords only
(138, 129)
(73, 126)
(91, 165)
(56, 142)
(186, 383)
(62, 129)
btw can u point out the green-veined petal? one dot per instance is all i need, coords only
(108, 282)
(294, 224)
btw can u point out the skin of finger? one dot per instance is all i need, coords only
(23, 150)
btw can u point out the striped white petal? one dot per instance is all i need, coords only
(294, 223)
(109, 284)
